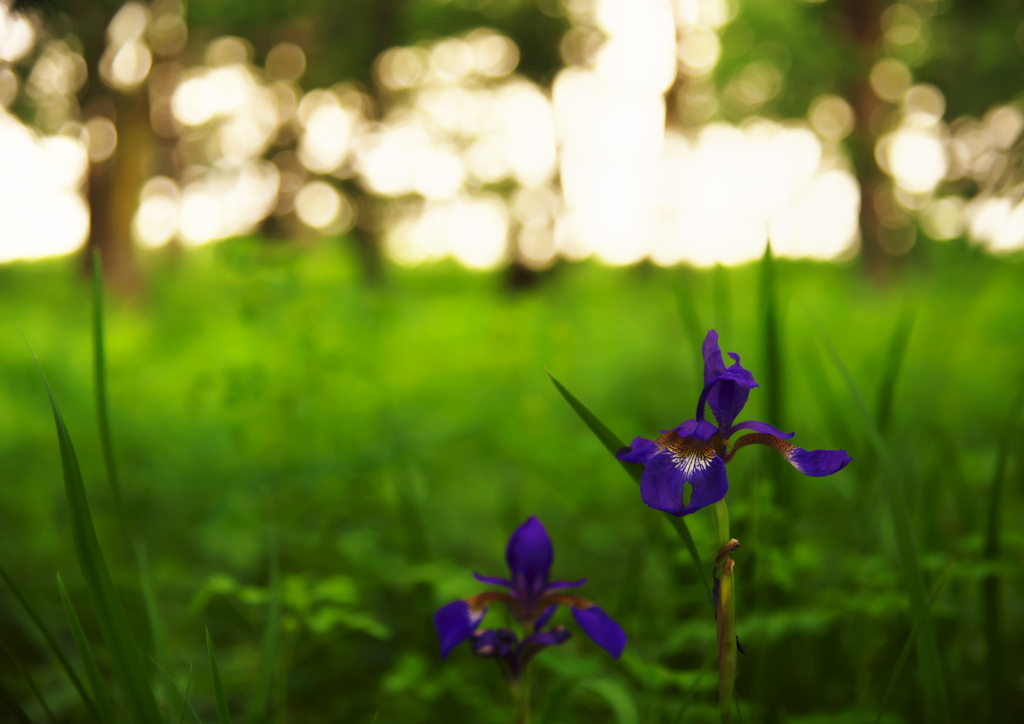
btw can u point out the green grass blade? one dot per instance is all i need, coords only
(932, 678)
(12, 703)
(771, 339)
(990, 585)
(223, 713)
(891, 370)
(99, 687)
(129, 666)
(186, 704)
(270, 635)
(613, 444)
(149, 602)
(30, 681)
(100, 386)
(687, 306)
(54, 646)
(905, 653)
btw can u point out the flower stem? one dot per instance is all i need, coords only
(721, 512)
(520, 690)
(725, 612)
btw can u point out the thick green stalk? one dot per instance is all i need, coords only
(721, 520)
(725, 612)
(520, 690)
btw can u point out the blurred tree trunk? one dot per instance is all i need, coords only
(863, 20)
(114, 194)
(114, 184)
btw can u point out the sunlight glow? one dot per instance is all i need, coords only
(42, 211)
(17, 35)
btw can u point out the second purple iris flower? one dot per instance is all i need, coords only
(695, 452)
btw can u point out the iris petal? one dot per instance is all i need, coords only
(602, 628)
(456, 622)
(664, 478)
(815, 463)
(725, 388)
(493, 580)
(760, 427)
(641, 450)
(529, 555)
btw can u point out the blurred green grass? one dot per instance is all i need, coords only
(393, 437)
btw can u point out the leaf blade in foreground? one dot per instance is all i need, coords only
(129, 667)
(99, 687)
(613, 444)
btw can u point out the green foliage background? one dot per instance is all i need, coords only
(389, 440)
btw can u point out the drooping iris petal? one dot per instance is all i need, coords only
(815, 463)
(680, 461)
(762, 427)
(641, 450)
(456, 622)
(602, 628)
(529, 555)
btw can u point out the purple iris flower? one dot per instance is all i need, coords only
(532, 598)
(696, 452)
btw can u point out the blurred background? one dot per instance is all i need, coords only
(342, 240)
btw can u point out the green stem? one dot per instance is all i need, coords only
(520, 690)
(721, 521)
(726, 614)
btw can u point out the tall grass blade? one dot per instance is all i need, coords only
(223, 713)
(891, 370)
(613, 444)
(773, 377)
(149, 602)
(54, 646)
(129, 666)
(186, 705)
(771, 336)
(183, 695)
(12, 703)
(270, 635)
(31, 683)
(691, 318)
(99, 687)
(722, 295)
(691, 694)
(990, 584)
(100, 387)
(905, 653)
(936, 698)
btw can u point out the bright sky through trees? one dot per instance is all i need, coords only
(475, 161)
